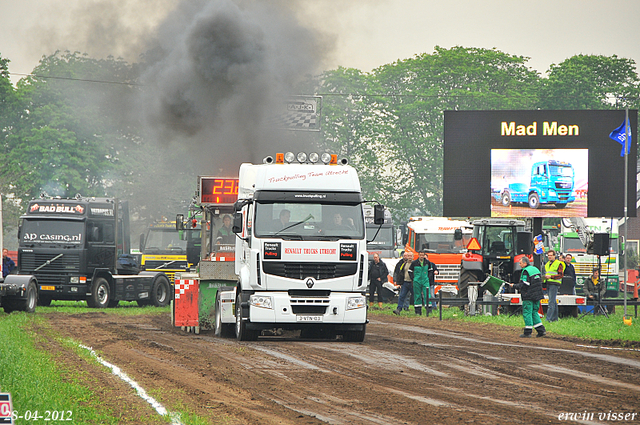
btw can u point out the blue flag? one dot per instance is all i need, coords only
(619, 136)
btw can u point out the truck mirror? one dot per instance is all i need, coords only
(179, 222)
(457, 234)
(141, 242)
(378, 214)
(237, 222)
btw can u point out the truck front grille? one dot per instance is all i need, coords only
(447, 272)
(68, 263)
(318, 271)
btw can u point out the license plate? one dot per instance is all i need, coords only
(47, 288)
(544, 301)
(309, 318)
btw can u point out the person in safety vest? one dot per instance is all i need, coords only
(530, 288)
(553, 273)
(422, 273)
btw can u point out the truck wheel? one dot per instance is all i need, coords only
(355, 336)
(242, 333)
(99, 297)
(27, 304)
(506, 199)
(534, 201)
(224, 330)
(560, 206)
(160, 291)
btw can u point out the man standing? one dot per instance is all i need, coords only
(570, 271)
(422, 272)
(553, 273)
(401, 278)
(530, 288)
(378, 273)
(7, 263)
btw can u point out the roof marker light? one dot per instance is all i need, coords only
(325, 158)
(289, 157)
(302, 157)
(313, 157)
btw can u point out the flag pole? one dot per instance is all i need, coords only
(627, 147)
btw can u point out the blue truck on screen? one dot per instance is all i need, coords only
(552, 182)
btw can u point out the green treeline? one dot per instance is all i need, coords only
(80, 131)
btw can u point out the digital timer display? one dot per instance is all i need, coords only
(218, 191)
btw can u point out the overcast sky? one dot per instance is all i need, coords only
(364, 34)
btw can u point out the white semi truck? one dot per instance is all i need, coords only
(300, 253)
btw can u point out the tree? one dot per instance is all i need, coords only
(591, 82)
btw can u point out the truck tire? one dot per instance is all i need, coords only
(506, 199)
(100, 295)
(221, 330)
(534, 201)
(355, 336)
(27, 304)
(160, 291)
(242, 333)
(560, 205)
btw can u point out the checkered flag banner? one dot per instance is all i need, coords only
(299, 113)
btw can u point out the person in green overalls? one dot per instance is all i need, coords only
(422, 272)
(530, 288)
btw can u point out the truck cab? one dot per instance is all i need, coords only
(552, 182)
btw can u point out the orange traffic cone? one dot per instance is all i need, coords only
(627, 321)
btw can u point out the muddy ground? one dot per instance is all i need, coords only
(409, 370)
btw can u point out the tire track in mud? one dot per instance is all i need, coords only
(405, 371)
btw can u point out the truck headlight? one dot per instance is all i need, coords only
(356, 302)
(261, 301)
(552, 193)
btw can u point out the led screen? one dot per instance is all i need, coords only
(523, 163)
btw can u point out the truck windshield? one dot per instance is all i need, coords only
(164, 241)
(564, 171)
(66, 232)
(441, 243)
(308, 221)
(384, 239)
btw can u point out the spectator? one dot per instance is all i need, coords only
(422, 272)
(7, 263)
(570, 271)
(378, 273)
(594, 288)
(402, 279)
(553, 273)
(530, 288)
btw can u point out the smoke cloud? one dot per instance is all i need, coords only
(218, 71)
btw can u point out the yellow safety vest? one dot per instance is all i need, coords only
(552, 268)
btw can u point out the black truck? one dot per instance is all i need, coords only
(78, 249)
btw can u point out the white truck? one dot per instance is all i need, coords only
(570, 243)
(300, 253)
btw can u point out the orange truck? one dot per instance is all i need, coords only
(436, 236)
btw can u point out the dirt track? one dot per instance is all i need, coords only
(408, 370)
